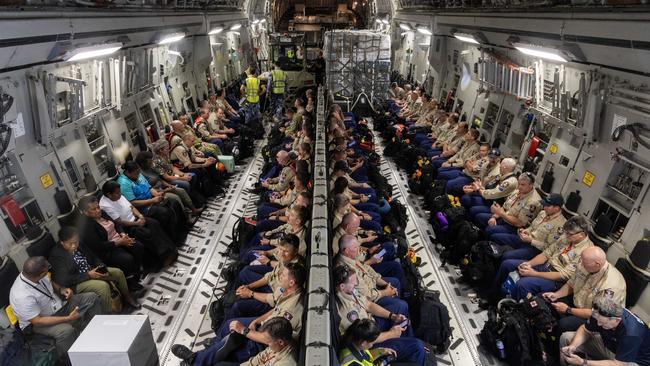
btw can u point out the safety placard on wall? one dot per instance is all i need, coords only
(552, 148)
(588, 178)
(46, 180)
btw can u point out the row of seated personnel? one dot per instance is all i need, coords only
(134, 228)
(269, 285)
(373, 319)
(544, 253)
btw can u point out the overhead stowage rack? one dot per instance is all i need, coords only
(318, 331)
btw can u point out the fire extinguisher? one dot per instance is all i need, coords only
(534, 144)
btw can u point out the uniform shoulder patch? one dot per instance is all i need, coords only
(608, 293)
(352, 316)
(288, 315)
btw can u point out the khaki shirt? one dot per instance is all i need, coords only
(447, 133)
(202, 129)
(545, 230)
(467, 152)
(190, 130)
(367, 276)
(281, 183)
(286, 357)
(563, 257)
(338, 234)
(455, 142)
(350, 308)
(507, 185)
(524, 207)
(273, 277)
(288, 307)
(181, 155)
(479, 165)
(587, 287)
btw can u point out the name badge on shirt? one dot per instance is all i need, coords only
(56, 305)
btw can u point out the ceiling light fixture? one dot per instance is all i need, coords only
(424, 30)
(405, 27)
(171, 38)
(466, 37)
(216, 30)
(256, 21)
(541, 52)
(83, 53)
(235, 26)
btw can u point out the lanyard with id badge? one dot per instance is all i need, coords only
(56, 305)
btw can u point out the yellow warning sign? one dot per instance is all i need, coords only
(588, 178)
(552, 148)
(46, 180)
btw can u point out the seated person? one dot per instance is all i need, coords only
(163, 166)
(188, 159)
(453, 146)
(144, 159)
(545, 229)
(342, 205)
(281, 183)
(613, 336)
(109, 242)
(264, 242)
(160, 249)
(519, 209)
(50, 309)
(555, 264)
(359, 340)
(279, 215)
(468, 152)
(594, 278)
(181, 127)
(383, 291)
(495, 183)
(249, 340)
(74, 266)
(258, 280)
(153, 203)
(471, 170)
(354, 306)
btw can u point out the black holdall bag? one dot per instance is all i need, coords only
(433, 323)
(242, 232)
(460, 244)
(482, 263)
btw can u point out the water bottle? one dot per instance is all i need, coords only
(501, 348)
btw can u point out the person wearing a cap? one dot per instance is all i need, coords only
(555, 265)
(457, 178)
(545, 229)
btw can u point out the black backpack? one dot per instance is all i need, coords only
(480, 266)
(242, 232)
(433, 321)
(398, 210)
(539, 313)
(458, 246)
(223, 303)
(509, 325)
(454, 214)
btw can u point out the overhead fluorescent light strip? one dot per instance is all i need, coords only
(175, 37)
(405, 27)
(548, 54)
(216, 30)
(424, 30)
(466, 38)
(84, 53)
(235, 26)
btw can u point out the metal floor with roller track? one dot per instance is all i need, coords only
(177, 298)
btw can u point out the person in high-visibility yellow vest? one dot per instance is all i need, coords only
(251, 90)
(277, 84)
(358, 340)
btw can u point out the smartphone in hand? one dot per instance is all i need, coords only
(380, 254)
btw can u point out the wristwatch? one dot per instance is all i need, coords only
(246, 331)
(569, 312)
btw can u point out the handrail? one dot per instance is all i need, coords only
(318, 333)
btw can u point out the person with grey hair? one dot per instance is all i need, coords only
(50, 309)
(612, 336)
(557, 263)
(593, 278)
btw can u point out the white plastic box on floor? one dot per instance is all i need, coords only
(115, 340)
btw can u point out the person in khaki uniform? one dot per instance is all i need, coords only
(542, 232)
(468, 172)
(281, 350)
(449, 146)
(182, 127)
(185, 157)
(557, 263)
(281, 183)
(381, 290)
(469, 151)
(352, 306)
(496, 183)
(594, 278)
(519, 209)
(243, 345)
